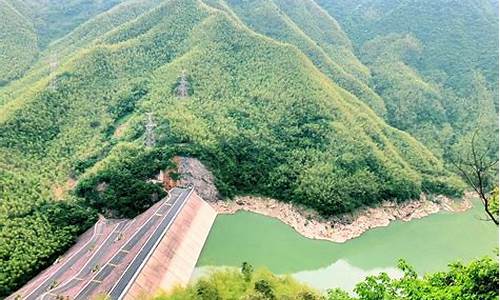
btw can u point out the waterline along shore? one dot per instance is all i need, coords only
(347, 226)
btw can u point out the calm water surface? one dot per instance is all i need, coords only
(429, 244)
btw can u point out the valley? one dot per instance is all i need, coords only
(344, 113)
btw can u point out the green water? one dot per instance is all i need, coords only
(429, 244)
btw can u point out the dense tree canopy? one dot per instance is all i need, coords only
(434, 63)
(276, 106)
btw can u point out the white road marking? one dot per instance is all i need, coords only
(121, 248)
(66, 260)
(95, 253)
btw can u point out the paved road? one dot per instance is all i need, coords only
(89, 265)
(162, 220)
(65, 266)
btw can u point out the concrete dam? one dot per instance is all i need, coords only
(129, 259)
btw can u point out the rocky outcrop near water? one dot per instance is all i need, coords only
(347, 226)
(193, 172)
(308, 222)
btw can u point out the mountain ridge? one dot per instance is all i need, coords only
(262, 113)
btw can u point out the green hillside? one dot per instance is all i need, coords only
(295, 24)
(53, 19)
(458, 36)
(18, 43)
(276, 107)
(435, 64)
(27, 28)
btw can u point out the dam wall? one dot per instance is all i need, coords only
(173, 261)
(130, 259)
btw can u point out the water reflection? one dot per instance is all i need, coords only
(429, 244)
(342, 275)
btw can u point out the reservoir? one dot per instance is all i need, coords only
(429, 244)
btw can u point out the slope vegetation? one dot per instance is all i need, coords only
(18, 43)
(319, 37)
(28, 27)
(458, 37)
(262, 112)
(435, 64)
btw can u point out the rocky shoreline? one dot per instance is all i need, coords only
(308, 222)
(348, 226)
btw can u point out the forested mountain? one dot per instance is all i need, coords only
(285, 99)
(28, 26)
(19, 43)
(435, 63)
(458, 37)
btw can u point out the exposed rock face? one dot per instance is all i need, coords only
(193, 172)
(102, 186)
(344, 227)
(307, 222)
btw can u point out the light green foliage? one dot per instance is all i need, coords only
(276, 107)
(18, 43)
(477, 280)
(303, 24)
(324, 30)
(413, 104)
(474, 281)
(34, 230)
(231, 284)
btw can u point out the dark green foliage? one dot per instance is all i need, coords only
(247, 270)
(120, 187)
(435, 63)
(305, 25)
(493, 201)
(39, 235)
(277, 107)
(307, 295)
(205, 291)
(458, 37)
(126, 104)
(264, 289)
